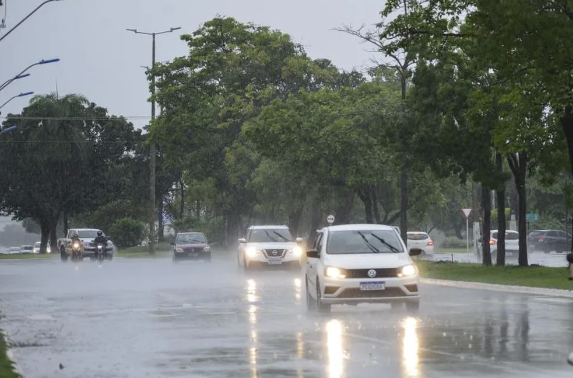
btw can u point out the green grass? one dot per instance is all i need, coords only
(161, 250)
(536, 276)
(27, 256)
(6, 368)
(447, 251)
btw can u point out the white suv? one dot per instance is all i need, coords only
(269, 245)
(360, 263)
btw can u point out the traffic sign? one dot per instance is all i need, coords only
(330, 219)
(532, 217)
(467, 212)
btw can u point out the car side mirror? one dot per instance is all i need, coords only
(242, 240)
(299, 240)
(415, 252)
(313, 254)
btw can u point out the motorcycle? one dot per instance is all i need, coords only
(101, 252)
(76, 251)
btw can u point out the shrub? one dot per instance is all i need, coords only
(127, 232)
(453, 242)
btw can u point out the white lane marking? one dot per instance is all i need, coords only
(500, 288)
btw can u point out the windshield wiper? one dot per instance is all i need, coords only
(282, 237)
(394, 249)
(374, 249)
(270, 237)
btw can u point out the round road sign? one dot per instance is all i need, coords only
(330, 219)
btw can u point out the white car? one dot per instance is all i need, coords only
(420, 240)
(269, 245)
(37, 248)
(360, 263)
(511, 243)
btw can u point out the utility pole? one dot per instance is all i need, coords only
(152, 148)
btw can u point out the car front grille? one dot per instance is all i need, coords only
(271, 252)
(192, 250)
(380, 273)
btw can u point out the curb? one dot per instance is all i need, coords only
(501, 288)
(10, 355)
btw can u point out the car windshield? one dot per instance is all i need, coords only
(26, 247)
(418, 236)
(363, 241)
(191, 238)
(508, 236)
(37, 245)
(87, 234)
(270, 235)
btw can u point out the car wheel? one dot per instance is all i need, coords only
(322, 308)
(413, 306)
(246, 268)
(310, 302)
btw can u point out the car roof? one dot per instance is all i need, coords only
(358, 227)
(417, 232)
(262, 227)
(85, 229)
(190, 232)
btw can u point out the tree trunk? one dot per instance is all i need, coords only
(366, 199)
(315, 220)
(344, 209)
(54, 234)
(160, 223)
(375, 209)
(567, 125)
(182, 208)
(66, 223)
(486, 205)
(233, 228)
(518, 165)
(45, 236)
(404, 203)
(500, 214)
(294, 218)
(458, 230)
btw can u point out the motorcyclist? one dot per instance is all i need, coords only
(100, 239)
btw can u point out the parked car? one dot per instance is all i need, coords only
(549, 240)
(420, 240)
(37, 248)
(191, 246)
(26, 249)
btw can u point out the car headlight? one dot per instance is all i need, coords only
(207, 249)
(333, 272)
(251, 251)
(179, 250)
(408, 270)
(297, 251)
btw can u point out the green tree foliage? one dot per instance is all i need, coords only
(127, 232)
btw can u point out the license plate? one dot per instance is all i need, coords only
(365, 286)
(275, 261)
(193, 254)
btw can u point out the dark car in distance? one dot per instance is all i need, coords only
(191, 246)
(549, 240)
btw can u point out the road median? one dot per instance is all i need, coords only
(533, 279)
(7, 369)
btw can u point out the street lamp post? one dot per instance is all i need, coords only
(152, 149)
(25, 18)
(21, 74)
(18, 95)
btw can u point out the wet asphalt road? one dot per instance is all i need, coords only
(150, 318)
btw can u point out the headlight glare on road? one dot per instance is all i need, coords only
(297, 251)
(333, 272)
(179, 250)
(408, 270)
(251, 251)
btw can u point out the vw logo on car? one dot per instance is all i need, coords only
(275, 252)
(371, 273)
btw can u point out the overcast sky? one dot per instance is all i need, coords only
(102, 61)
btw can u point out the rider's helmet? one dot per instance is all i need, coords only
(75, 236)
(99, 233)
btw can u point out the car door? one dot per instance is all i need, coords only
(312, 263)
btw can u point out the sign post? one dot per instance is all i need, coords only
(330, 219)
(467, 212)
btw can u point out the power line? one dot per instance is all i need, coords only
(75, 118)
